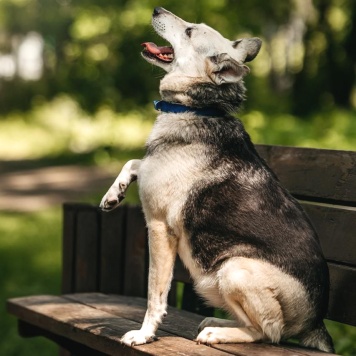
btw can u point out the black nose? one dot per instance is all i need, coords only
(157, 11)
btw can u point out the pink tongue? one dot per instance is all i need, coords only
(154, 49)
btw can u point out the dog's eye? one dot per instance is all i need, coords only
(188, 31)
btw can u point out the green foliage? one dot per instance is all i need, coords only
(61, 128)
(91, 50)
(344, 337)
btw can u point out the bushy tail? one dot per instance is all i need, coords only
(318, 338)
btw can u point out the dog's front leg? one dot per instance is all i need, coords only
(116, 193)
(163, 250)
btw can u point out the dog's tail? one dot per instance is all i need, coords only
(318, 338)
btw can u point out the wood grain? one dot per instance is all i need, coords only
(96, 328)
(307, 172)
(136, 254)
(342, 294)
(112, 250)
(87, 250)
(336, 227)
(98, 321)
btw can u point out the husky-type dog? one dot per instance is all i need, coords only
(208, 196)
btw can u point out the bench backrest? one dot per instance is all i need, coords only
(107, 252)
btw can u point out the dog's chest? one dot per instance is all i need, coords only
(165, 179)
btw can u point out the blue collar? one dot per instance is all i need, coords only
(167, 107)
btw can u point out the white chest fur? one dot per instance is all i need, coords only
(165, 180)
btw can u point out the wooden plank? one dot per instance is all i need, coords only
(260, 349)
(97, 329)
(68, 244)
(136, 254)
(181, 323)
(87, 250)
(181, 274)
(112, 244)
(177, 322)
(194, 303)
(336, 226)
(342, 294)
(306, 172)
(29, 330)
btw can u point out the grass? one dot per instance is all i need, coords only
(30, 248)
(59, 132)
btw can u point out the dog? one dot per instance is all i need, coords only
(208, 197)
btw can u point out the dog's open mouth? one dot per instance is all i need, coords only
(163, 54)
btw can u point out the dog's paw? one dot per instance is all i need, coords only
(216, 322)
(211, 335)
(137, 337)
(113, 198)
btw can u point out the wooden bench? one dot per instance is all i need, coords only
(105, 262)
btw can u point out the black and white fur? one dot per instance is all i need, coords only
(208, 196)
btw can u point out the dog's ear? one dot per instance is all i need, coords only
(222, 68)
(248, 48)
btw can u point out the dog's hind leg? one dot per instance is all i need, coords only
(163, 250)
(219, 331)
(252, 297)
(116, 193)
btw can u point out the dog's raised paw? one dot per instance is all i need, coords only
(112, 199)
(137, 337)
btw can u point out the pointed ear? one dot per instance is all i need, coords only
(223, 69)
(248, 48)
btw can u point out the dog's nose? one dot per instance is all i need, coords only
(157, 11)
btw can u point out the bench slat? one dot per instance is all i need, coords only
(336, 227)
(342, 294)
(96, 328)
(136, 254)
(87, 251)
(178, 322)
(112, 245)
(98, 322)
(315, 173)
(68, 253)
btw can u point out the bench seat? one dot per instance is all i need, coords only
(92, 324)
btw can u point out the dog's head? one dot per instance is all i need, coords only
(198, 55)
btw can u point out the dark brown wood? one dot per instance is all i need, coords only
(76, 348)
(95, 328)
(180, 323)
(87, 250)
(181, 274)
(307, 172)
(112, 250)
(342, 294)
(68, 251)
(177, 322)
(97, 322)
(336, 227)
(136, 254)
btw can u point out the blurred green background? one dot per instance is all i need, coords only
(75, 91)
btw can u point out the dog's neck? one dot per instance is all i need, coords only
(168, 107)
